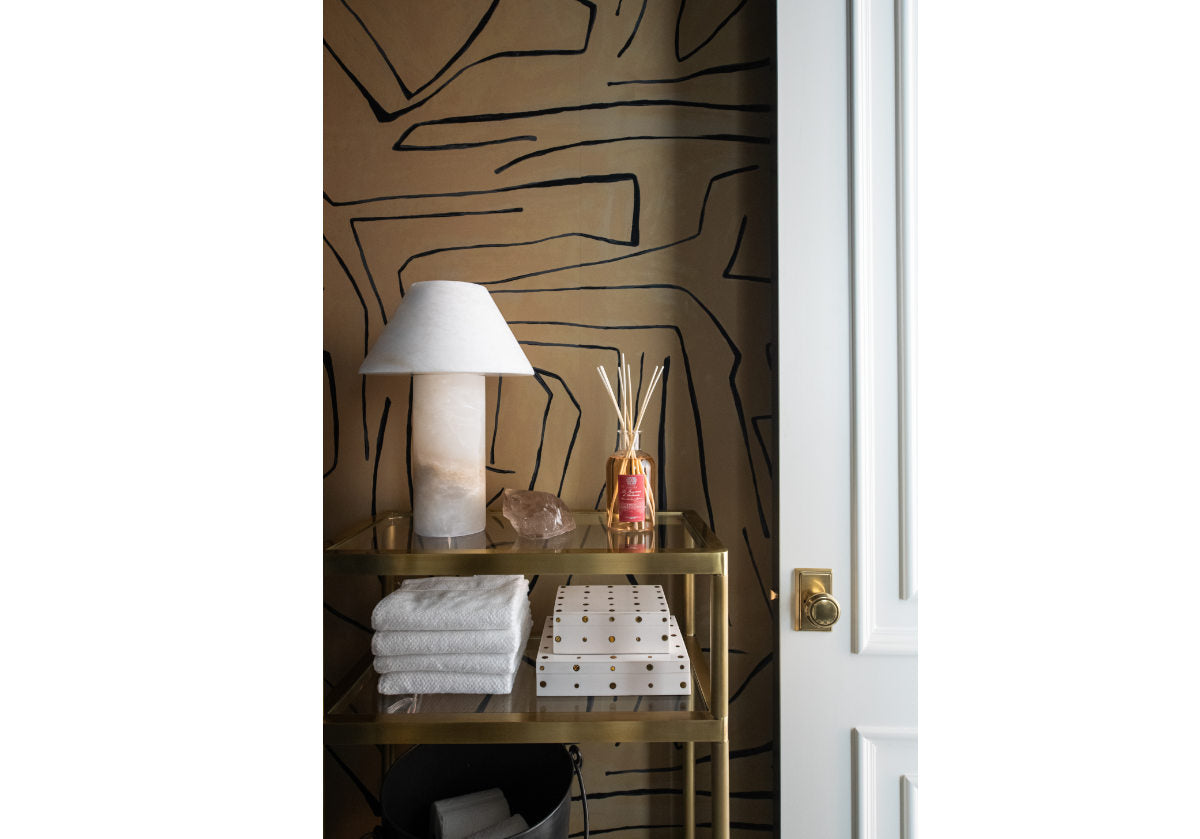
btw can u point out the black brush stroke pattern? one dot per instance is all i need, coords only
(757, 575)
(471, 119)
(368, 796)
(708, 71)
(387, 406)
(737, 247)
(349, 620)
(505, 134)
(408, 94)
(762, 444)
(636, 25)
(758, 668)
(333, 405)
(682, 5)
(382, 115)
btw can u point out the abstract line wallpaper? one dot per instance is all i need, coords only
(606, 170)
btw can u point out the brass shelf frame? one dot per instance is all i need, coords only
(710, 672)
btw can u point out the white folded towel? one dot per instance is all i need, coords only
(511, 826)
(453, 661)
(473, 608)
(432, 681)
(459, 817)
(460, 583)
(503, 641)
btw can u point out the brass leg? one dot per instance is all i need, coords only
(720, 790)
(719, 639)
(689, 748)
(718, 634)
(689, 790)
(689, 604)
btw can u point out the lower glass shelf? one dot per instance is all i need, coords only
(358, 714)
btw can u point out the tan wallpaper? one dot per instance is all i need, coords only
(607, 170)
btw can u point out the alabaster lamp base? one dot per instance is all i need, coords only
(448, 450)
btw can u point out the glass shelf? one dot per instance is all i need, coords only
(680, 543)
(359, 714)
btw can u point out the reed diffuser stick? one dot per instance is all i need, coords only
(611, 395)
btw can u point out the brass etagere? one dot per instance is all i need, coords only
(682, 544)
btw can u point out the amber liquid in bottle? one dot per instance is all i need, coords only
(629, 482)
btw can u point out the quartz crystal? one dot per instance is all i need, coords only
(537, 515)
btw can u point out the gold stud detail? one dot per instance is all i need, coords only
(638, 619)
(542, 684)
(649, 666)
(558, 638)
(612, 685)
(585, 617)
(612, 639)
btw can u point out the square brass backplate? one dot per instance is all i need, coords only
(805, 583)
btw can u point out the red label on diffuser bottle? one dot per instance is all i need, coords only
(631, 497)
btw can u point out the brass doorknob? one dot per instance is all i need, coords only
(822, 609)
(814, 608)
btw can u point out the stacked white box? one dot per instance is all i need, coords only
(620, 619)
(615, 674)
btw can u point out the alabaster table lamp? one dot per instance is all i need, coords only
(449, 336)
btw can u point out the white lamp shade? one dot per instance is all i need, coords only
(444, 326)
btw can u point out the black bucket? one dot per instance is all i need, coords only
(534, 777)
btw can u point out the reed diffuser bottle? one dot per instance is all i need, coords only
(630, 472)
(629, 483)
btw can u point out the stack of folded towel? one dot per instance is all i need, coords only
(451, 634)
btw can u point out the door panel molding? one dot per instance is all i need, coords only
(876, 751)
(906, 284)
(881, 222)
(908, 807)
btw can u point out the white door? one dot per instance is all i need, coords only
(848, 697)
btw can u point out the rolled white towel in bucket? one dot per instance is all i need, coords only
(459, 817)
(511, 826)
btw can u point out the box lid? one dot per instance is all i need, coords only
(617, 605)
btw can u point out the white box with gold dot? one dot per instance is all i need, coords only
(613, 674)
